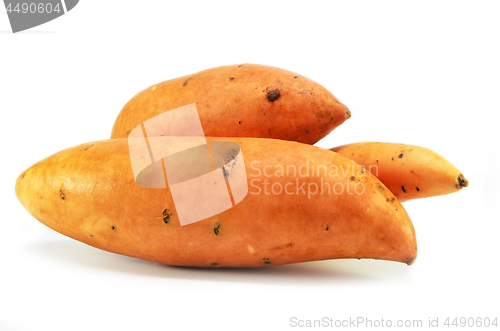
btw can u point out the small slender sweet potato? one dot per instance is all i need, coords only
(303, 204)
(246, 100)
(410, 172)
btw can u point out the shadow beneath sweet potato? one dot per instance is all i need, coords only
(318, 273)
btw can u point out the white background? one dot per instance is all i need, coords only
(424, 73)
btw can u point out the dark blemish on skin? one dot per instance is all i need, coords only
(231, 78)
(387, 199)
(166, 215)
(286, 246)
(403, 188)
(273, 95)
(331, 119)
(294, 76)
(266, 260)
(327, 227)
(239, 122)
(22, 176)
(307, 131)
(88, 147)
(418, 190)
(186, 81)
(393, 199)
(214, 264)
(392, 159)
(400, 156)
(461, 181)
(217, 228)
(91, 236)
(377, 160)
(241, 65)
(62, 194)
(353, 178)
(112, 227)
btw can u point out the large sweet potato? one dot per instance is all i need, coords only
(303, 204)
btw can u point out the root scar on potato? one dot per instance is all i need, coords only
(461, 181)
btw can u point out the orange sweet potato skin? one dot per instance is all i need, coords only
(410, 172)
(242, 101)
(88, 193)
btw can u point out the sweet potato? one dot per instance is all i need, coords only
(410, 172)
(246, 100)
(303, 204)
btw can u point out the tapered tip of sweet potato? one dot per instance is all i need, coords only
(409, 252)
(411, 260)
(347, 113)
(461, 182)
